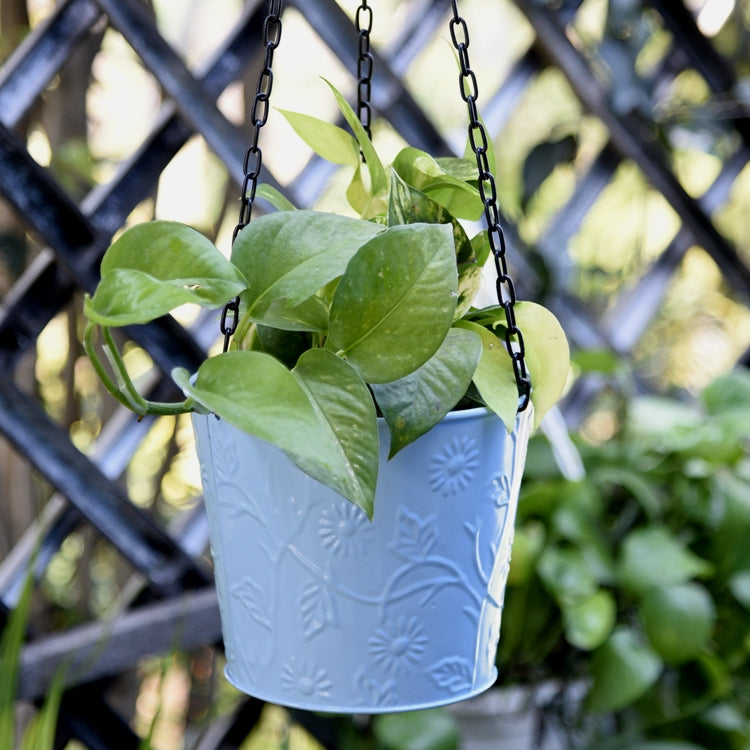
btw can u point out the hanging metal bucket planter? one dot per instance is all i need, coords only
(324, 610)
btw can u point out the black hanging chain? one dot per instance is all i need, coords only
(253, 161)
(504, 287)
(363, 22)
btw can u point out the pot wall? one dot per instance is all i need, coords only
(324, 610)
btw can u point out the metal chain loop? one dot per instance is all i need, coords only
(363, 22)
(253, 160)
(505, 289)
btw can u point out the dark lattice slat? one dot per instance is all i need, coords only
(631, 135)
(42, 53)
(90, 652)
(134, 534)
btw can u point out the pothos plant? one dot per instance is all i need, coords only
(342, 318)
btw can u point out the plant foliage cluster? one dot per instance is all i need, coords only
(635, 581)
(342, 317)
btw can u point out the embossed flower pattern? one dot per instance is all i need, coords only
(306, 679)
(343, 529)
(452, 470)
(398, 645)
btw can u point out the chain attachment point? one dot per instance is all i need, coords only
(365, 60)
(504, 287)
(253, 161)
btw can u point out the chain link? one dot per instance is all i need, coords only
(363, 22)
(253, 160)
(505, 289)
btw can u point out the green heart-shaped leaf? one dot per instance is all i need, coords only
(623, 669)
(414, 404)
(348, 416)
(654, 556)
(256, 393)
(588, 623)
(157, 266)
(394, 304)
(423, 172)
(678, 620)
(494, 377)
(547, 355)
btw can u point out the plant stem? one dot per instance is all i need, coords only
(124, 389)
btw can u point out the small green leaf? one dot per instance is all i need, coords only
(678, 620)
(407, 205)
(421, 171)
(257, 394)
(623, 669)
(310, 315)
(292, 254)
(654, 556)
(432, 729)
(494, 377)
(394, 305)
(286, 346)
(378, 178)
(157, 266)
(274, 197)
(329, 141)
(566, 575)
(547, 354)
(589, 622)
(414, 404)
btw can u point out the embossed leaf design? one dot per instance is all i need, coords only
(318, 609)
(453, 673)
(374, 693)
(253, 598)
(415, 537)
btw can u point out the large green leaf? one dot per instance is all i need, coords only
(623, 669)
(654, 556)
(348, 416)
(678, 620)
(331, 142)
(494, 377)
(256, 393)
(394, 305)
(290, 255)
(414, 404)
(157, 266)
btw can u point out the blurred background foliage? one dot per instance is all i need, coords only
(646, 463)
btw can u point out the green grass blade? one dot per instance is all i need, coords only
(11, 643)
